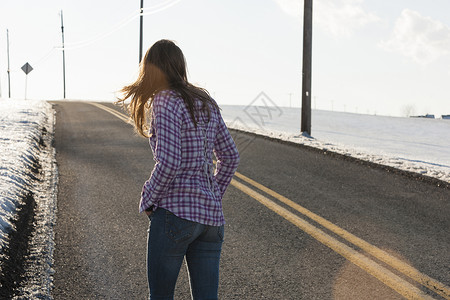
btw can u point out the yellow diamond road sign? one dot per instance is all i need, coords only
(27, 68)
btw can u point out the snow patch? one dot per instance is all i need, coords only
(27, 164)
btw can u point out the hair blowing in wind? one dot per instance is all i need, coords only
(162, 68)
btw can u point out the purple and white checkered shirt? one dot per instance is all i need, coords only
(182, 180)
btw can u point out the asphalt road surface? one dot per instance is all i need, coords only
(301, 224)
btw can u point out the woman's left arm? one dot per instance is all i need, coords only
(167, 122)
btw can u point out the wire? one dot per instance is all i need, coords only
(43, 58)
(160, 7)
(146, 11)
(135, 14)
(98, 37)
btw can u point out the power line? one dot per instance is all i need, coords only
(146, 11)
(143, 12)
(99, 37)
(135, 14)
(44, 57)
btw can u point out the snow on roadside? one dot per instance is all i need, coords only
(28, 166)
(413, 145)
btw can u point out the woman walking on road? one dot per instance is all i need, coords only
(183, 196)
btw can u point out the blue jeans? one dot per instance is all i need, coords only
(170, 239)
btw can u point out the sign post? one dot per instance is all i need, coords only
(26, 68)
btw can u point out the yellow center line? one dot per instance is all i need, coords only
(381, 273)
(394, 262)
(112, 111)
(398, 284)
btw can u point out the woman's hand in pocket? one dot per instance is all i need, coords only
(149, 211)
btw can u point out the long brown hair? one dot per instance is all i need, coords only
(163, 67)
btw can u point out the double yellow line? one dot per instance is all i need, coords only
(392, 280)
(111, 111)
(397, 283)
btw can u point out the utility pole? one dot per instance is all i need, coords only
(0, 88)
(9, 70)
(64, 56)
(306, 75)
(141, 30)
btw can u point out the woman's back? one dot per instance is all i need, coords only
(184, 181)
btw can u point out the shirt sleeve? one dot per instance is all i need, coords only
(227, 156)
(166, 125)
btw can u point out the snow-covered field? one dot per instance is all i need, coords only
(28, 178)
(411, 144)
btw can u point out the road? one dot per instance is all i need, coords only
(301, 224)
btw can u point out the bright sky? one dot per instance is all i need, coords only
(369, 56)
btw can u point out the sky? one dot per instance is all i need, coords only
(369, 56)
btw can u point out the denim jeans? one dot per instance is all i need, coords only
(170, 239)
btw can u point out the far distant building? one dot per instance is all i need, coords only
(428, 116)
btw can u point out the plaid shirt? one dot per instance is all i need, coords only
(183, 180)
